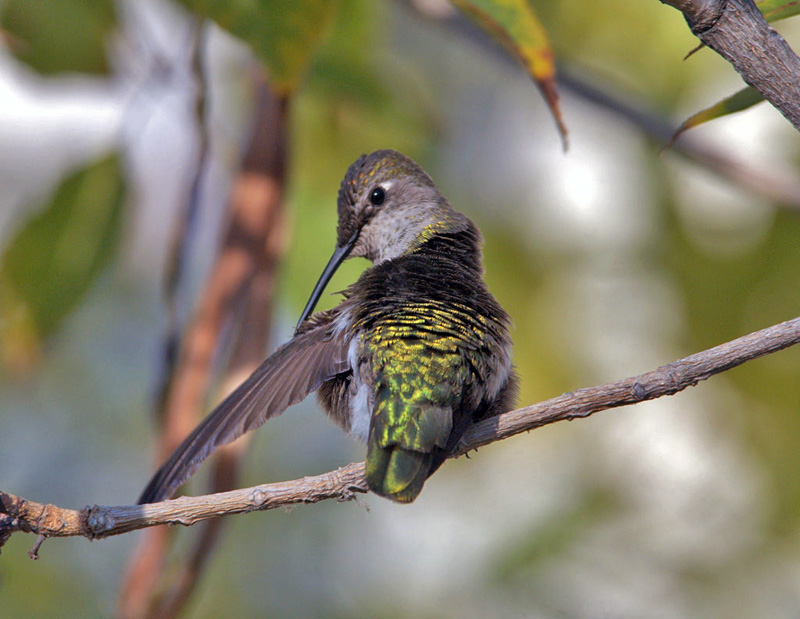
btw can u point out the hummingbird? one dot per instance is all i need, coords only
(417, 350)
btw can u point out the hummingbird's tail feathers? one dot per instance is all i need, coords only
(403, 441)
(397, 473)
(416, 426)
(316, 354)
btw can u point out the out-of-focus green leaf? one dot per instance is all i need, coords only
(282, 34)
(515, 24)
(59, 35)
(349, 64)
(773, 10)
(54, 259)
(737, 102)
(355, 98)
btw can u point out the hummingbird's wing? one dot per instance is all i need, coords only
(317, 353)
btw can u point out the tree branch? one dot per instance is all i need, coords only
(93, 522)
(738, 32)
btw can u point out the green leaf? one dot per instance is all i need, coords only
(515, 24)
(773, 10)
(56, 257)
(59, 35)
(737, 102)
(282, 34)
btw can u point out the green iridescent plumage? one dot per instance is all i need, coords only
(435, 342)
(422, 362)
(416, 351)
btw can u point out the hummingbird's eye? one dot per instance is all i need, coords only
(377, 196)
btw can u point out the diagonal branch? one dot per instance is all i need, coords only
(92, 522)
(738, 32)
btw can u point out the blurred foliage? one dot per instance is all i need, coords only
(63, 585)
(355, 99)
(582, 32)
(710, 281)
(55, 258)
(537, 545)
(59, 35)
(283, 35)
(773, 10)
(727, 295)
(515, 24)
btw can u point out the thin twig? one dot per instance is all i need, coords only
(95, 521)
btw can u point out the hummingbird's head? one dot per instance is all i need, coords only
(387, 206)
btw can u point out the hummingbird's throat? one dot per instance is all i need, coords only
(404, 231)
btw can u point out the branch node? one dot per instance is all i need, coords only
(347, 493)
(97, 520)
(703, 15)
(258, 496)
(344, 489)
(673, 380)
(344, 493)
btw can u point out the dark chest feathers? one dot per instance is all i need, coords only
(446, 271)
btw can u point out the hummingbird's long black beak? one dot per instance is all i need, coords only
(338, 257)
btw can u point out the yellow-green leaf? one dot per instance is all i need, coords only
(515, 24)
(773, 10)
(741, 100)
(59, 35)
(56, 256)
(282, 33)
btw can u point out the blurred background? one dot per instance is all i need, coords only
(612, 258)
